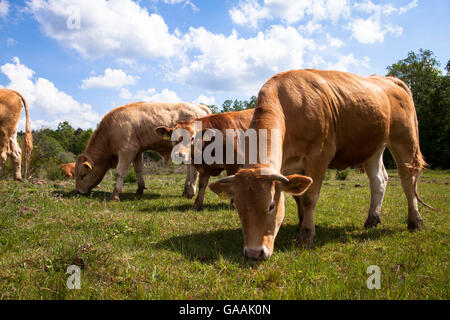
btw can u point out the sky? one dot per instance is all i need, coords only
(74, 60)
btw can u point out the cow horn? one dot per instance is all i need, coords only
(271, 175)
(278, 177)
(228, 179)
(87, 164)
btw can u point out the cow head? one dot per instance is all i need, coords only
(259, 200)
(185, 150)
(88, 174)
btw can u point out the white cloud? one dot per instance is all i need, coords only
(369, 31)
(4, 8)
(205, 100)
(224, 63)
(150, 95)
(120, 28)
(111, 78)
(344, 63)
(184, 2)
(10, 42)
(372, 30)
(365, 30)
(386, 9)
(45, 99)
(310, 27)
(251, 12)
(334, 42)
(395, 30)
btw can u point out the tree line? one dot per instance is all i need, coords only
(420, 71)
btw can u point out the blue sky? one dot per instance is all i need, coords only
(75, 60)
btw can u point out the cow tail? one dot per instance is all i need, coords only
(418, 165)
(28, 141)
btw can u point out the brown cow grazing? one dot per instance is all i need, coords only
(234, 120)
(324, 118)
(121, 138)
(10, 108)
(68, 169)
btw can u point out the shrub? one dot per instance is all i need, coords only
(65, 157)
(342, 175)
(53, 170)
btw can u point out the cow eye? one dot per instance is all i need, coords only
(272, 207)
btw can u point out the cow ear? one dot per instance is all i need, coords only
(164, 132)
(87, 165)
(297, 184)
(223, 189)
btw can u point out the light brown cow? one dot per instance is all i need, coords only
(68, 169)
(123, 135)
(324, 118)
(233, 120)
(10, 108)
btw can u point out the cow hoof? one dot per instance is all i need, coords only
(139, 192)
(372, 221)
(415, 225)
(188, 193)
(198, 207)
(306, 238)
(19, 179)
(115, 197)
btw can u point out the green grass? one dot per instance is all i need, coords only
(157, 247)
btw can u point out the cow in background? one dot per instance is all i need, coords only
(11, 103)
(234, 120)
(121, 138)
(68, 169)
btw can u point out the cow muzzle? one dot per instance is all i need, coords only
(81, 192)
(259, 253)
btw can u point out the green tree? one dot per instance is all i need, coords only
(227, 106)
(80, 140)
(430, 88)
(251, 103)
(64, 134)
(238, 105)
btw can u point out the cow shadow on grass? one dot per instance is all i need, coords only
(207, 247)
(106, 196)
(185, 207)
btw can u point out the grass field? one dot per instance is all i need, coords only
(158, 248)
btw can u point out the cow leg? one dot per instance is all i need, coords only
(191, 181)
(314, 168)
(4, 145)
(203, 183)
(122, 169)
(138, 164)
(378, 178)
(3, 158)
(404, 156)
(298, 200)
(16, 156)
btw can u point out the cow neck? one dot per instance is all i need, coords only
(270, 119)
(97, 149)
